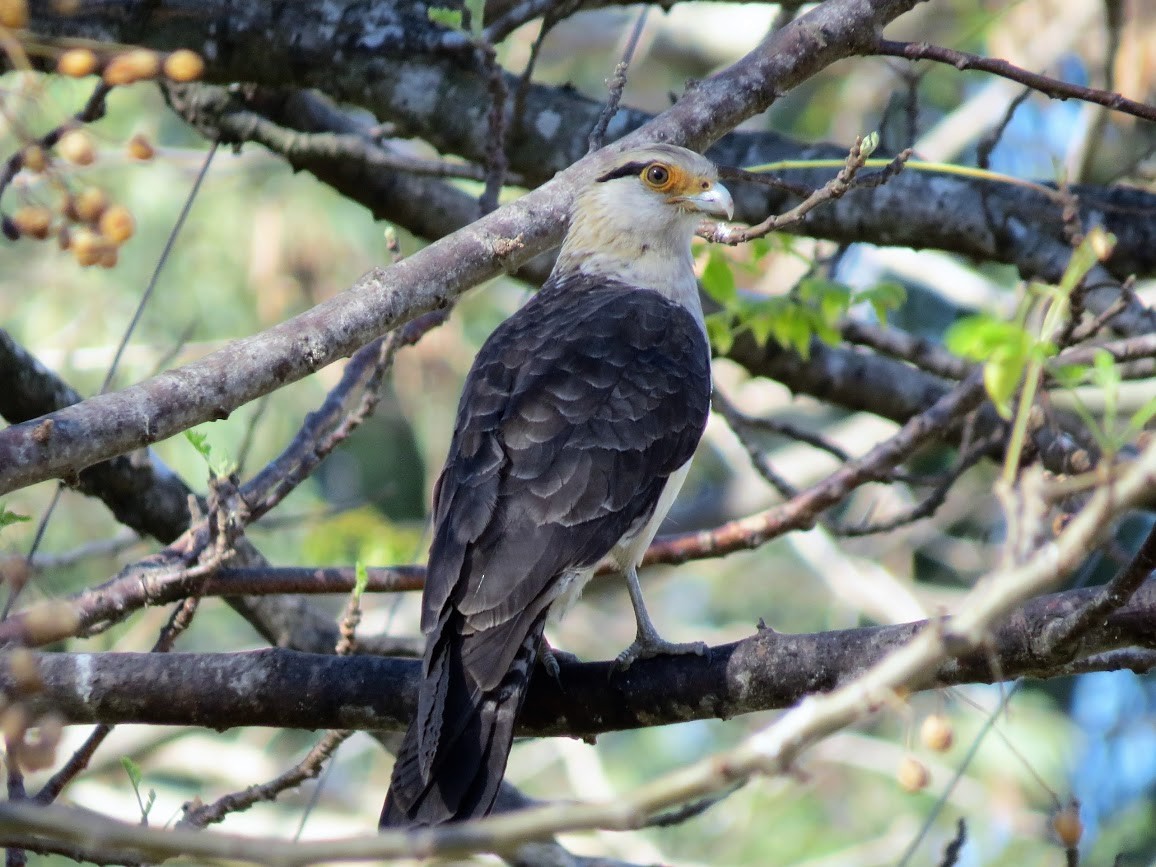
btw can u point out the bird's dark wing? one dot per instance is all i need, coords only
(576, 412)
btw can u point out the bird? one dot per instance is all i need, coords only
(574, 432)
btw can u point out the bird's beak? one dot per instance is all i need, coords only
(715, 202)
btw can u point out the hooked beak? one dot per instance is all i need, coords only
(715, 202)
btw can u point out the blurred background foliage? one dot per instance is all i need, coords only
(263, 244)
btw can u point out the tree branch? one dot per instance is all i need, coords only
(1051, 87)
(768, 670)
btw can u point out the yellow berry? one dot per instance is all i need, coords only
(90, 204)
(33, 158)
(14, 571)
(117, 224)
(108, 257)
(76, 147)
(87, 247)
(50, 622)
(140, 64)
(24, 671)
(1067, 826)
(912, 774)
(14, 723)
(77, 63)
(184, 65)
(33, 221)
(140, 148)
(937, 733)
(13, 14)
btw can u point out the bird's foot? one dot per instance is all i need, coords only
(650, 646)
(549, 658)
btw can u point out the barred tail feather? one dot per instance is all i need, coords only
(470, 757)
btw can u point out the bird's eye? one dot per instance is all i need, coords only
(657, 175)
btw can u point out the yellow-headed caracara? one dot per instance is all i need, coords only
(574, 433)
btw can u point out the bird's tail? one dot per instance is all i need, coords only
(452, 770)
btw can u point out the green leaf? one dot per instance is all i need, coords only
(1001, 377)
(361, 580)
(1105, 373)
(720, 333)
(791, 328)
(218, 467)
(1097, 244)
(7, 518)
(870, 144)
(826, 332)
(446, 17)
(1069, 375)
(883, 298)
(477, 10)
(762, 326)
(1106, 376)
(759, 248)
(200, 442)
(829, 299)
(1141, 417)
(132, 769)
(719, 280)
(979, 337)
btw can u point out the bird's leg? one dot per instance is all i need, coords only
(549, 657)
(648, 643)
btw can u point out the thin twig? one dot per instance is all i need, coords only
(496, 162)
(552, 16)
(93, 110)
(992, 137)
(200, 816)
(951, 853)
(1046, 85)
(835, 188)
(805, 509)
(96, 104)
(182, 616)
(162, 260)
(1064, 634)
(925, 354)
(616, 85)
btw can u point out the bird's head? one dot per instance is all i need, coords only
(640, 211)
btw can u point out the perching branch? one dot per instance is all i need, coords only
(765, 671)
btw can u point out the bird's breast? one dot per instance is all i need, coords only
(570, 587)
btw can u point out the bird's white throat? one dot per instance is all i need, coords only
(622, 231)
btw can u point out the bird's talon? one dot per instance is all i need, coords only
(549, 657)
(648, 649)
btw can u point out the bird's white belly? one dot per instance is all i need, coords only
(570, 587)
(630, 550)
(628, 553)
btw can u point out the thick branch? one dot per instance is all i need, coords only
(768, 670)
(139, 491)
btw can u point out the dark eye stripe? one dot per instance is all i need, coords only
(628, 170)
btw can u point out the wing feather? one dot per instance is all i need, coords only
(575, 413)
